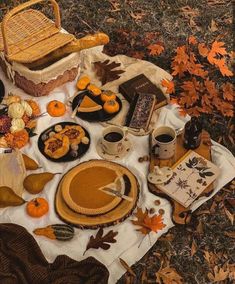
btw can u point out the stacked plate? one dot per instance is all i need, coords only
(96, 193)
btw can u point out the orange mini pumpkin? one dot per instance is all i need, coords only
(83, 82)
(56, 108)
(108, 96)
(95, 91)
(111, 106)
(37, 207)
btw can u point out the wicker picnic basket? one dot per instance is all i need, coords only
(28, 36)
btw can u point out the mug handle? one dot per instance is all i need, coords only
(155, 150)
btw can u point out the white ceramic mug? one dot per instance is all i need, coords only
(114, 147)
(164, 142)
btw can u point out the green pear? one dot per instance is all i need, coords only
(35, 183)
(9, 198)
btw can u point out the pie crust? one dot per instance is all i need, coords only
(57, 146)
(74, 132)
(81, 188)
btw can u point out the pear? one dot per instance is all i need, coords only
(35, 183)
(30, 164)
(9, 198)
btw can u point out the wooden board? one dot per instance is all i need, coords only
(180, 214)
(118, 214)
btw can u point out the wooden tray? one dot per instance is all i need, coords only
(180, 214)
(118, 214)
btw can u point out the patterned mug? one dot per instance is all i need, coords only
(164, 142)
(113, 139)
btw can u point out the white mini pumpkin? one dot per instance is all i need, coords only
(27, 108)
(15, 110)
(17, 124)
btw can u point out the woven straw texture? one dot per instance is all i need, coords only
(30, 35)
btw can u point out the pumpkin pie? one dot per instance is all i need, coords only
(88, 105)
(82, 188)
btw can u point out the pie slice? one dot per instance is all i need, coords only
(88, 105)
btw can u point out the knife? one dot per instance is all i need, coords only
(77, 106)
(116, 193)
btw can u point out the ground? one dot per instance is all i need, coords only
(204, 250)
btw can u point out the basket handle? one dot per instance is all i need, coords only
(22, 7)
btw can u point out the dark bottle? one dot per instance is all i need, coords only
(192, 133)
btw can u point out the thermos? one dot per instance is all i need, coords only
(192, 133)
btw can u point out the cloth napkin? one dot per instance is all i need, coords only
(128, 239)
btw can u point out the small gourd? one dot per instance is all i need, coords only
(56, 108)
(111, 106)
(95, 91)
(83, 82)
(60, 232)
(108, 96)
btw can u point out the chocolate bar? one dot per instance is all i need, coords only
(141, 110)
(141, 84)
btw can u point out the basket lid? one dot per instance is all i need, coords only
(30, 35)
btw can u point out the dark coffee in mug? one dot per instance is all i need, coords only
(164, 138)
(113, 137)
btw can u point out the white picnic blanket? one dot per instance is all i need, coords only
(128, 239)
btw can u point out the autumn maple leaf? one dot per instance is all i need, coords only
(211, 88)
(203, 50)
(148, 224)
(221, 64)
(154, 223)
(155, 49)
(169, 85)
(181, 55)
(216, 48)
(192, 40)
(228, 91)
(196, 68)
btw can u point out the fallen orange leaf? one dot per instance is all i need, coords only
(169, 85)
(155, 49)
(228, 91)
(192, 40)
(148, 224)
(203, 50)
